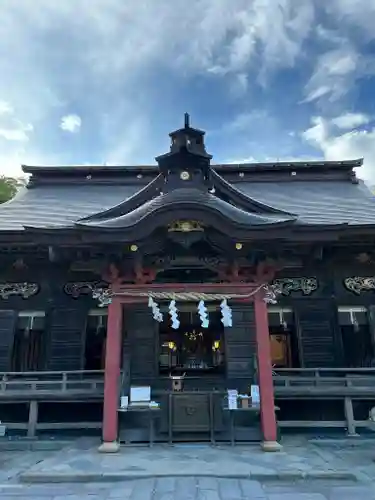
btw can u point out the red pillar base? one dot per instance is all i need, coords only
(271, 446)
(267, 402)
(109, 447)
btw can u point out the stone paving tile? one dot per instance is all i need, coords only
(163, 496)
(252, 489)
(230, 488)
(214, 489)
(296, 496)
(209, 495)
(297, 455)
(207, 483)
(205, 460)
(351, 493)
(143, 489)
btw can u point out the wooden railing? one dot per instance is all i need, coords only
(320, 381)
(286, 380)
(55, 383)
(341, 384)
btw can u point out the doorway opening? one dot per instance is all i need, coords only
(28, 346)
(96, 334)
(283, 338)
(191, 348)
(356, 336)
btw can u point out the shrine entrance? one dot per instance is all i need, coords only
(191, 349)
(190, 357)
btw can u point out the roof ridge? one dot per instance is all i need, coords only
(105, 169)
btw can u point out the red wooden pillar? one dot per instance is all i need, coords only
(111, 378)
(267, 402)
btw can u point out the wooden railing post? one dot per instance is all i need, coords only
(4, 382)
(33, 419)
(64, 381)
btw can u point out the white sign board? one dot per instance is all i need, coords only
(255, 394)
(140, 394)
(232, 399)
(124, 401)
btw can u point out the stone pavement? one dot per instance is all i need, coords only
(81, 462)
(192, 488)
(14, 463)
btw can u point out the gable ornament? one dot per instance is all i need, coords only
(358, 284)
(23, 290)
(304, 285)
(99, 290)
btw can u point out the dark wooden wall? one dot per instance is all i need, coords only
(315, 327)
(316, 314)
(65, 317)
(316, 319)
(240, 346)
(142, 343)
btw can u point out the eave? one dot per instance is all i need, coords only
(219, 167)
(297, 233)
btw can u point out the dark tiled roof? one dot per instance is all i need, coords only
(190, 197)
(59, 206)
(315, 202)
(331, 202)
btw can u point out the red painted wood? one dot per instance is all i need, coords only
(112, 372)
(267, 406)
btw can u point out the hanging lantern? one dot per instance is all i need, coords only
(157, 315)
(174, 315)
(226, 314)
(203, 314)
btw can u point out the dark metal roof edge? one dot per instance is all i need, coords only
(137, 199)
(241, 199)
(230, 167)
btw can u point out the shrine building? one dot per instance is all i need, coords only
(188, 279)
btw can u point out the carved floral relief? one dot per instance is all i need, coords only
(358, 284)
(99, 290)
(304, 285)
(24, 290)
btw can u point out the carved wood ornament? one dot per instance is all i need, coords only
(358, 284)
(24, 290)
(305, 285)
(76, 289)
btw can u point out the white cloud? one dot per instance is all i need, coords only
(343, 62)
(238, 161)
(317, 133)
(5, 108)
(334, 73)
(11, 128)
(347, 146)
(17, 135)
(351, 120)
(110, 36)
(353, 13)
(71, 123)
(114, 46)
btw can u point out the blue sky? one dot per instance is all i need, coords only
(105, 81)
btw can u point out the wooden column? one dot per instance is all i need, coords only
(267, 402)
(112, 378)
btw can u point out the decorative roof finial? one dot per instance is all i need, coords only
(187, 120)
